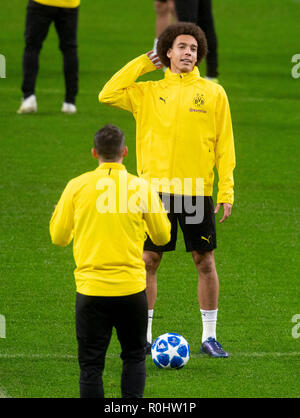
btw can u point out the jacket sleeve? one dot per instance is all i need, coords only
(62, 220)
(224, 150)
(121, 90)
(157, 221)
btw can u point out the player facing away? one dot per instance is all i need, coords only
(183, 131)
(105, 212)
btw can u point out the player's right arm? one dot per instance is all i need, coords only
(121, 90)
(62, 220)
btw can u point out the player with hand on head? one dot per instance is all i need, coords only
(184, 129)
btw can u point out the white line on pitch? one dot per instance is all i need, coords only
(54, 356)
(255, 354)
(266, 354)
(37, 356)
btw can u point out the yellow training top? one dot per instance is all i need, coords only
(183, 129)
(60, 3)
(106, 212)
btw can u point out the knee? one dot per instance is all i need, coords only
(205, 262)
(134, 356)
(152, 261)
(68, 47)
(33, 45)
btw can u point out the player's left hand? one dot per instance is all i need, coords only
(227, 210)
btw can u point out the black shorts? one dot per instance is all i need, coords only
(196, 217)
(162, 1)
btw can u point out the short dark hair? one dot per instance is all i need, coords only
(109, 142)
(168, 36)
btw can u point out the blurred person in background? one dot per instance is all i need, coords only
(165, 15)
(200, 12)
(40, 15)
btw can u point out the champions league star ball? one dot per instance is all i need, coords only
(170, 351)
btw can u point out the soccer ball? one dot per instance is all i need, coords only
(170, 351)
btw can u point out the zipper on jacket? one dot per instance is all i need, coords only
(177, 123)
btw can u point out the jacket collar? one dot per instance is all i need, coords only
(115, 166)
(185, 78)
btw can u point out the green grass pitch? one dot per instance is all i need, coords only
(258, 247)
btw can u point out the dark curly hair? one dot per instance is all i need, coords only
(168, 36)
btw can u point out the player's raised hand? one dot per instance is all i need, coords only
(227, 210)
(155, 59)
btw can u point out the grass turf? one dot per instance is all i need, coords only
(258, 247)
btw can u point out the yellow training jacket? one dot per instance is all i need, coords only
(60, 3)
(106, 212)
(183, 129)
